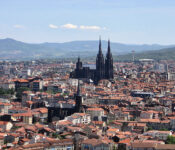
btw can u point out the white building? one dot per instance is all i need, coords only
(162, 135)
(79, 118)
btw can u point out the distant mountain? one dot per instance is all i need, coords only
(12, 49)
(162, 54)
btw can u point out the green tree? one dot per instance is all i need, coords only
(149, 128)
(56, 135)
(2, 92)
(164, 129)
(5, 92)
(20, 91)
(170, 140)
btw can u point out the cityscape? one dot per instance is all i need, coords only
(77, 86)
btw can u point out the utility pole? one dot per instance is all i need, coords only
(133, 55)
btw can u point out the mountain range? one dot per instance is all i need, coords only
(12, 49)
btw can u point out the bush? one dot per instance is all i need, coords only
(20, 91)
(170, 140)
(7, 92)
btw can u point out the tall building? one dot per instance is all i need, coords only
(100, 65)
(109, 64)
(103, 70)
(57, 112)
(79, 99)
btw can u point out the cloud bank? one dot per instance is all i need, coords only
(53, 26)
(69, 26)
(81, 27)
(90, 27)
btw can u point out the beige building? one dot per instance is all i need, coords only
(4, 107)
(23, 117)
(95, 112)
(5, 125)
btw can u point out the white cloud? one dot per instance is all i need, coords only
(53, 26)
(18, 26)
(73, 26)
(91, 27)
(69, 26)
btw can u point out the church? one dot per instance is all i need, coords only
(103, 70)
(59, 113)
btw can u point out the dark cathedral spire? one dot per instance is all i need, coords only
(109, 48)
(78, 89)
(78, 105)
(100, 50)
(79, 64)
(100, 66)
(109, 63)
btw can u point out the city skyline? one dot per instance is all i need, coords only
(136, 22)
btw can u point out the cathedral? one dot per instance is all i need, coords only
(103, 70)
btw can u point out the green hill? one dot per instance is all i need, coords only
(163, 54)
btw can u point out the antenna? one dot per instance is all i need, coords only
(133, 55)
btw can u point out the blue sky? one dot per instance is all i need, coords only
(126, 21)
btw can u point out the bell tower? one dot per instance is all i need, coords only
(79, 99)
(100, 66)
(109, 63)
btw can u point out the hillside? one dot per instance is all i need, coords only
(163, 54)
(12, 49)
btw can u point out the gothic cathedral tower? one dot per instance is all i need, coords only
(109, 63)
(100, 66)
(104, 67)
(79, 99)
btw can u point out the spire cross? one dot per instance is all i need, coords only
(109, 48)
(100, 51)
